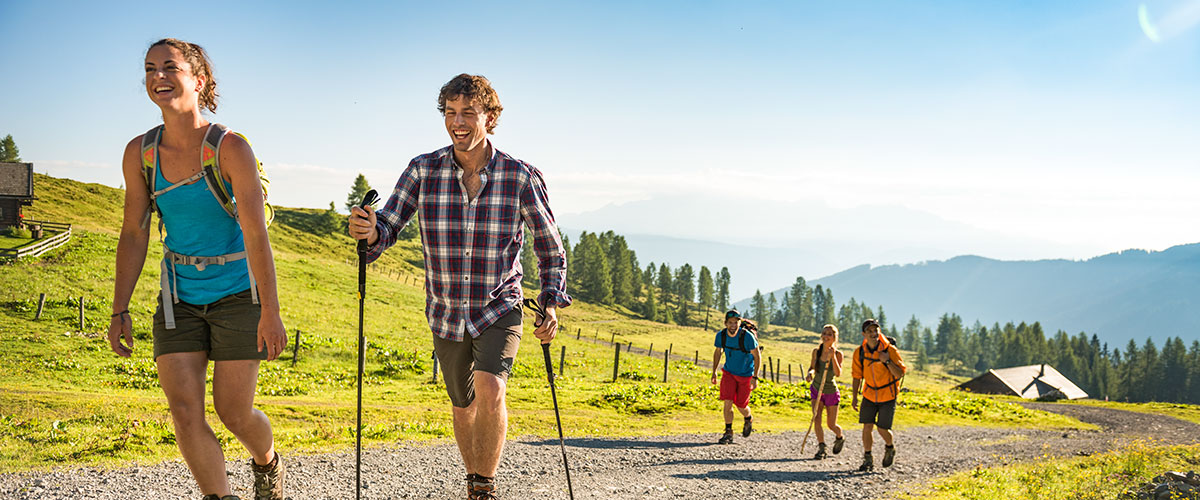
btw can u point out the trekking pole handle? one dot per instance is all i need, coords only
(369, 199)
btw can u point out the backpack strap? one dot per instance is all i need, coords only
(210, 162)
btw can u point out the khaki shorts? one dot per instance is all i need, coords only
(493, 351)
(226, 329)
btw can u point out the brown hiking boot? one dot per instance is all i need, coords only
(268, 479)
(820, 452)
(481, 487)
(837, 445)
(726, 438)
(889, 455)
(868, 464)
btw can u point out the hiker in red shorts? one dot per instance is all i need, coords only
(740, 347)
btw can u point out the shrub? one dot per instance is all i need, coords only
(17, 232)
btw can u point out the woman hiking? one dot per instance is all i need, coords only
(738, 343)
(218, 300)
(825, 367)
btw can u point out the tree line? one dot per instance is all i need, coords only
(604, 270)
(1136, 373)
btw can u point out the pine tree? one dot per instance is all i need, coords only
(922, 357)
(594, 271)
(758, 308)
(685, 283)
(412, 230)
(723, 280)
(651, 312)
(331, 221)
(622, 273)
(912, 333)
(819, 317)
(773, 309)
(665, 286)
(8, 150)
(357, 191)
(705, 292)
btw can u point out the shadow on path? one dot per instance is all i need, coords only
(771, 476)
(618, 444)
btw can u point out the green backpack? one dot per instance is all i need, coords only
(210, 171)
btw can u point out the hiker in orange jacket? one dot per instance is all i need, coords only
(877, 369)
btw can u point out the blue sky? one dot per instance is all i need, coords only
(1060, 125)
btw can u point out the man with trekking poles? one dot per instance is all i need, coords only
(877, 370)
(473, 202)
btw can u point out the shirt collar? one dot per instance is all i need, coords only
(487, 168)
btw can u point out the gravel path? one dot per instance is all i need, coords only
(681, 466)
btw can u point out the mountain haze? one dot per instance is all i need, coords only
(1125, 295)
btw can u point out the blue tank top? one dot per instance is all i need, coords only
(195, 224)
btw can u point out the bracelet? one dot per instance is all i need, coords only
(125, 312)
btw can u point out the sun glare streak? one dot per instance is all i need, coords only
(1147, 27)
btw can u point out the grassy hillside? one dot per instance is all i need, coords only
(66, 399)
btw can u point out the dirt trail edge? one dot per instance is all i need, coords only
(681, 466)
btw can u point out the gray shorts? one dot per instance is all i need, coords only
(226, 329)
(879, 414)
(493, 351)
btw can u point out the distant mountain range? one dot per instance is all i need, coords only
(1129, 294)
(766, 244)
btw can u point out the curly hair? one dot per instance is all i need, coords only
(477, 90)
(201, 67)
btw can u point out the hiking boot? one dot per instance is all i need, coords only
(727, 438)
(837, 445)
(889, 455)
(868, 464)
(820, 452)
(481, 487)
(747, 427)
(268, 479)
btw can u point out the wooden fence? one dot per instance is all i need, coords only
(45, 244)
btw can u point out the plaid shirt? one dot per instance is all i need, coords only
(473, 247)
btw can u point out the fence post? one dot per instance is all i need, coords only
(562, 357)
(41, 304)
(789, 373)
(697, 361)
(613, 339)
(770, 368)
(577, 332)
(651, 351)
(296, 348)
(666, 359)
(81, 313)
(616, 363)
(630, 348)
(435, 363)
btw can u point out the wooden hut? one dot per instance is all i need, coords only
(1030, 382)
(16, 191)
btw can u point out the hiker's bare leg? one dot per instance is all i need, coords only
(181, 376)
(887, 436)
(831, 419)
(464, 423)
(817, 421)
(491, 422)
(234, 385)
(867, 428)
(744, 410)
(728, 411)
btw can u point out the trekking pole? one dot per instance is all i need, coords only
(539, 316)
(816, 405)
(370, 198)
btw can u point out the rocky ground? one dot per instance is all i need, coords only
(679, 466)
